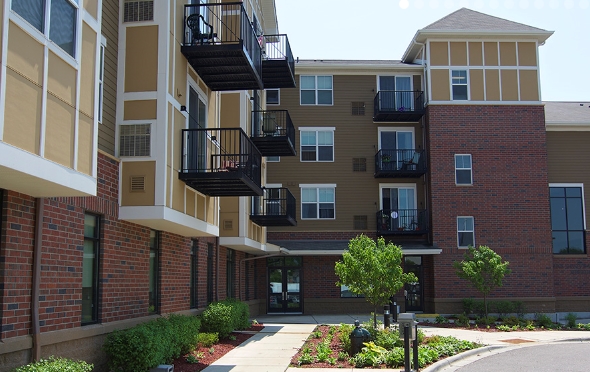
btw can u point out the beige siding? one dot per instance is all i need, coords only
(230, 112)
(141, 59)
(475, 56)
(91, 6)
(439, 54)
(229, 215)
(476, 87)
(491, 53)
(85, 133)
(87, 70)
(59, 132)
(507, 54)
(25, 55)
(529, 85)
(139, 110)
(179, 76)
(527, 54)
(417, 82)
(492, 85)
(110, 29)
(567, 154)
(509, 85)
(145, 169)
(61, 79)
(354, 137)
(458, 54)
(440, 85)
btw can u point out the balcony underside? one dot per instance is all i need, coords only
(399, 173)
(400, 231)
(273, 220)
(397, 116)
(223, 67)
(222, 183)
(274, 145)
(277, 74)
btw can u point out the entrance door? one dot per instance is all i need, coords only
(196, 141)
(396, 93)
(413, 264)
(399, 205)
(284, 278)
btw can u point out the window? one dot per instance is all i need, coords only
(459, 84)
(318, 202)
(62, 19)
(194, 284)
(230, 273)
(463, 174)
(154, 271)
(273, 97)
(90, 264)
(567, 219)
(273, 159)
(465, 232)
(316, 90)
(317, 145)
(101, 80)
(345, 292)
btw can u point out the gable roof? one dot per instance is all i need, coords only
(465, 22)
(567, 116)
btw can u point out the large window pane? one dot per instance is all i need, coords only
(325, 153)
(31, 10)
(324, 82)
(309, 210)
(567, 220)
(558, 221)
(62, 28)
(324, 97)
(560, 241)
(90, 264)
(575, 219)
(308, 97)
(308, 82)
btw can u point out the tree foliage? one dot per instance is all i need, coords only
(373, 269)
(484, 269)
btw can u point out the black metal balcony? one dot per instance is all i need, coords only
(221, 45)
(276, 207)
(402, 222)
(278, 64)
(273, 133)
(220, 162)
(396, 105)
(400, 163)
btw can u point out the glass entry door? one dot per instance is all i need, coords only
(396, 147)
(284, 293)
(399, 205)
(396, 93)
(413, 291)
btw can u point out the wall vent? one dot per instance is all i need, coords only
(360, 222)
(228, 224)
(138, 11)
(137, 183)
(358, 108)
(359, 164)
(134, 140)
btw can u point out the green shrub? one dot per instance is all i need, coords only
(571, 320)
(217, 318)
(394, 357)
(543, 320)
(503, 308)
(54, 364)
(479, 309)
(240, 313)
(344, 336)
(519, 309)
(426, 356)
(584, 327)
(207, 339)
(511, 321)
(388, 339)
(468, 304)
(489, 320)
(441, 320)
(156, 342)
(462, 320)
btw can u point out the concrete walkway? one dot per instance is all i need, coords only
(271, 349)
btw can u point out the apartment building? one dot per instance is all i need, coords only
(443, 149)
(133, 145)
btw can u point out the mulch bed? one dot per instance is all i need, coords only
(215, 352)
(312, 342)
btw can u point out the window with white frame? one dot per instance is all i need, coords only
(59, 15)
(463, 170)
(317, 144)
(273, 96)
(465, 232)
(318, 202)
(101, 80)
(567, 218)
(459, 84)
(316, 90)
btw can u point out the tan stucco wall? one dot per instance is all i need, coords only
(458, 54)
(146, 169)
(475, 54)
(527, 54)
(59, 132)
(509, 85)
(140, 110)
(439, 54)
(91, 6)
(85, 135)
(229, 207)
(529, 85)
(476, 88)
(490, 53)
(25, 55)
(492, 85)
(440, 85)
(141, 58)
(230, 114)
(87, 70)
(507, 54)
(61, 79)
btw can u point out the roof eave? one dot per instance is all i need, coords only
(540, 36)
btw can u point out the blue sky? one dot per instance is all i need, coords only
(383, 29)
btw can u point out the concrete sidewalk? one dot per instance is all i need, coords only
(271, 349)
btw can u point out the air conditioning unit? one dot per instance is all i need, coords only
(163, 368)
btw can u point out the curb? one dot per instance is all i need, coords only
(448, 362)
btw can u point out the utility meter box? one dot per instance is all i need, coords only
(407, 320)
(163, 368)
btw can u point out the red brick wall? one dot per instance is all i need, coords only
(509, 199)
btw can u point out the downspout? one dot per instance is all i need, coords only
(37, 248)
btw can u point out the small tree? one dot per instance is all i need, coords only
(372, 269)
(484, 269)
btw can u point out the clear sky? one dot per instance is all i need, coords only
(383, 29)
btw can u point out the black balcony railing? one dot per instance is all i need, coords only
(273, 133)
(276, 207)
(278, 64)
(220, 43)
(402, 222)
(400, 163)
(397, 105)
(220, 162)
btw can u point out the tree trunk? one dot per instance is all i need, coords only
(375, 317)
(485, 306)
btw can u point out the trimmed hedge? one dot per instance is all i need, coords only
(156, 342)
(54, 364)
(225, 316)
